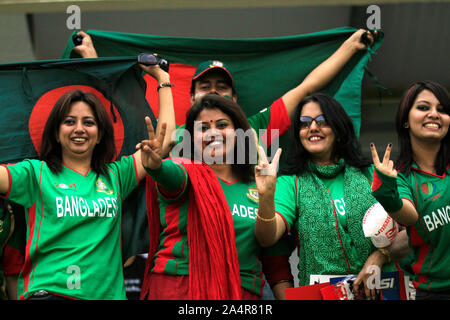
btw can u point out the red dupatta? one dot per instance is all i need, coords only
(213, 262)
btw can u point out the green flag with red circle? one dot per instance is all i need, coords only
(28, 92)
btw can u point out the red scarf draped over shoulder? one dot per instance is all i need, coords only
(213, 261)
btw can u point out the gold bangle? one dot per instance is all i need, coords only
(266, 220)
(385, 252)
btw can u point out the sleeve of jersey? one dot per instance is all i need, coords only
(275, 261)
(171, 178)
(271, 122)
(23, 182)
(126, 168)
(285, 200)
(404, 187)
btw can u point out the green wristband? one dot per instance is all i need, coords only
(384, 189)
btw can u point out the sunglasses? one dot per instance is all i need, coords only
(305, 121)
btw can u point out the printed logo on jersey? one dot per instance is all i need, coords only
(430, 189)
(253, 194)
(102, 187)
(65, 186)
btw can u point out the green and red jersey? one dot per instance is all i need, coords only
(73, 246)
(172, 256)
(270, 123)
(173, 252)
(430, 235)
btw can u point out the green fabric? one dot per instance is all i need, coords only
(387, 192)
(73, 228)
(169, 169)
(243, 203)
(263, 68)
(320, 249)
(24, 84)
(334, 184)
(429, 237)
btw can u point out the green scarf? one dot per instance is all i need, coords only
(320, 249)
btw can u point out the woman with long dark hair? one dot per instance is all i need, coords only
(73, 199)
(415, 189)
(202, 242)
(322, 196)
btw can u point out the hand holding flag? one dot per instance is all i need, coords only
(86, 49)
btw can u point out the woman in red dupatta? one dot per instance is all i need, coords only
(199, 249)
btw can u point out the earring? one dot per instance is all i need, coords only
(406, 125)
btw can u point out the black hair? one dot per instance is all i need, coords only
(405, 159)
(104, 151)
(242, 169)
(346, 143)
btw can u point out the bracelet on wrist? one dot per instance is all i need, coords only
(385, 253)
(164, 84)
(266, 220)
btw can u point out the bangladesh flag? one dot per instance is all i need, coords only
(263, 69)
(28, 92)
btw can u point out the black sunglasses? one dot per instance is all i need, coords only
(305, 121)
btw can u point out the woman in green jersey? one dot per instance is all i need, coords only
(322, 196)
(202, 242)
(416, 190)
(73, 199)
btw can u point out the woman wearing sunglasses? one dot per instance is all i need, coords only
(322, 195)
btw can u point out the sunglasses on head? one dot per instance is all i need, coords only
(305, 121)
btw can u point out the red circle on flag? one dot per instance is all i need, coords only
(44, 106)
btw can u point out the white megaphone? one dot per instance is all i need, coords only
(379, 226)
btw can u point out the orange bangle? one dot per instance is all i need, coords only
(266, 220)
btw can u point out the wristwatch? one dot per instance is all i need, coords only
(164, 84)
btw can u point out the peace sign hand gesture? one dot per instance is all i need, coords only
(387, 166)
(151, 149)
(266, 173)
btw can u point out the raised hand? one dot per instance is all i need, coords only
(266, 173)
(387, 166)
(156, 72)
(86, 49)
(355, 39)
(151, 149)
